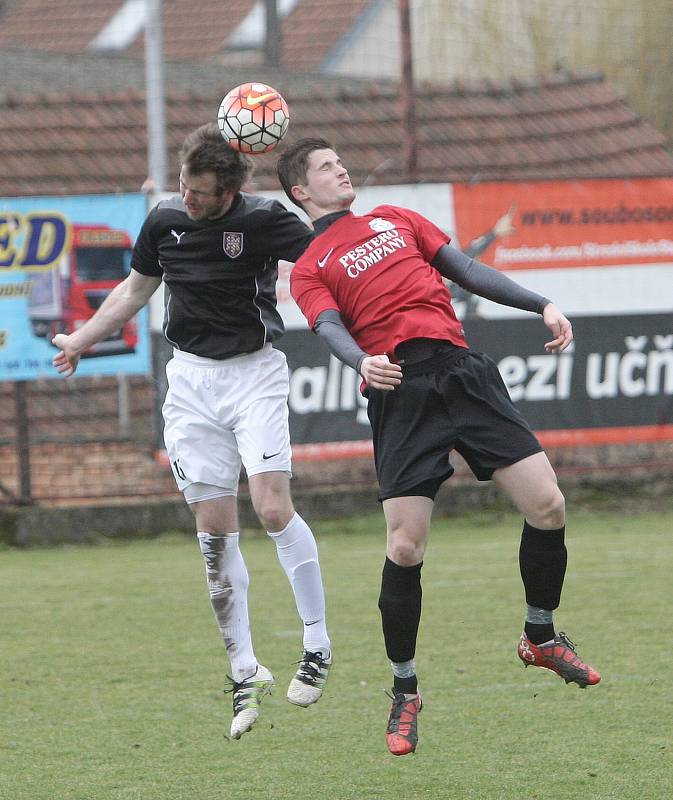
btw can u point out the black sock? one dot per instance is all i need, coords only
(537, 634)
(405, 685)
(400, 606)
(542, 561)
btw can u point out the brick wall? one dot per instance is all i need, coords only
(89, 438)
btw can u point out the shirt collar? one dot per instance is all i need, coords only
(322, 224)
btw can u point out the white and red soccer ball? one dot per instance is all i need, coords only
(253, 118)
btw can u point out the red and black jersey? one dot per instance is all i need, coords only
(375, 271)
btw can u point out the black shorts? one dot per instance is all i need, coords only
(455, 400)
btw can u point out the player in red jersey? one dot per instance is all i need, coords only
(372, 286)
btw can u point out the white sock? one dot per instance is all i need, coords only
(228, 581)
(298, 554)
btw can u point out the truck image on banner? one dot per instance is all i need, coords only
(60, 257)
(63, 298)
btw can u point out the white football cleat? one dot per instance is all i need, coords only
(247, 697)
(309, 681)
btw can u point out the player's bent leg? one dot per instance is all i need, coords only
(271, 499)
(532, 486)
(298, 555)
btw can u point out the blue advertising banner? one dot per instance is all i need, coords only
(59, 259)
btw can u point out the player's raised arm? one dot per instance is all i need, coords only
(490, 283)
(125, 300)
(485, 281)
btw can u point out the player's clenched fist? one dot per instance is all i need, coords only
(380, 373)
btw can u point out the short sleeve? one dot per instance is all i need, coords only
(145, 258)
(309, 292)
(289, 235)
(429, 237)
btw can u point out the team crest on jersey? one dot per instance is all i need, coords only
(379, 225)
(232, 244)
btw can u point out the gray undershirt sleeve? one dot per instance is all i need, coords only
(485, 281)
(330, 327)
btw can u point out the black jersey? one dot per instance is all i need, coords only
(220, 274)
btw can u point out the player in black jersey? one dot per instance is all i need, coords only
(216, 249)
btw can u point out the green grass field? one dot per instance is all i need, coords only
(111, 673)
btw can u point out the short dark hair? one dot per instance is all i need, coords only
(292, 166)
(206, 150)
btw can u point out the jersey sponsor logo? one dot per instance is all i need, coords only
(379, 225)
(323, 261)
(266, 458)
(372, 251)
(232, 244)
(177, 235)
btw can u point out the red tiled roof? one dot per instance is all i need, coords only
(196, 31)
(65, 26)
(314, 27)
(563, 126)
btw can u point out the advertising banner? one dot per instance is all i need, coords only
(571, 224)
(601, 250)
(59, 259)
(614, 385)
(594, 247)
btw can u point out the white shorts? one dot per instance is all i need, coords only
(221, 414)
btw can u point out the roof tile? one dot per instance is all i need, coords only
(69, 142)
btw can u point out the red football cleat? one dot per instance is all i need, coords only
(402, 730)
(558, 655)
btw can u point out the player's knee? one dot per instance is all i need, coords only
(274, 513)
(406, 551)
(551, 510)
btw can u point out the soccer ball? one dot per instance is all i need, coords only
(253, 118)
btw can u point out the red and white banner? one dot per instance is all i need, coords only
(571, 224)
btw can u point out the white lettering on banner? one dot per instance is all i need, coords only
(633, 373)
(643, 368)
(660, 248)
(332, 388)
(658, 362)
(537, 377)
